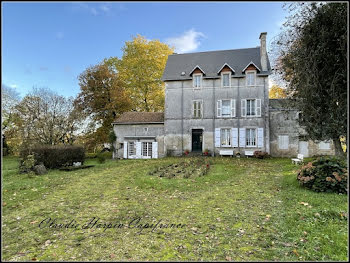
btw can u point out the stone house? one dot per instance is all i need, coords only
(216, 101)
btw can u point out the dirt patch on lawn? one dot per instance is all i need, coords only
(193, 167)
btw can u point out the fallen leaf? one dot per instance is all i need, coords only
(33, 222)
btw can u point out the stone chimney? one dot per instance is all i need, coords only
(263, 52)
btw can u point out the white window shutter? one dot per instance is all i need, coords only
(242, 137)
(125, 155)
(138, 149)
(217, 137)
(243, 107)
(194, 106)
(258, 108)
(155, 150)
(201, 107)
(233, 108)
(234, 137)
(219, 107)
(260, 137)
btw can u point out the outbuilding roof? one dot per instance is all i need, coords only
(211, 62)
(140, 117)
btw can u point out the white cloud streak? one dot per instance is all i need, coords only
(187, 42)
(101, 9)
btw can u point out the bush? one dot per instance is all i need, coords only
(260, 154)
(325, 174)
(56, 156)
(91, 155)
(101, 157)
(27, 164)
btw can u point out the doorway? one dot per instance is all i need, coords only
(197, 139)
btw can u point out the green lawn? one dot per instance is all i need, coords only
(242, 210)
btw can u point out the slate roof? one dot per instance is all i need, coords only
(140, 117)
(211, 62)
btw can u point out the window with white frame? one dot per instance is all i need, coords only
(226, 79)
(283, 142)
(225, 137)
(147, 149)
(250, 137)
(197, 108)
(226, 108)
(197, 80)
(131, 148)
(251, 107)
(250, 78)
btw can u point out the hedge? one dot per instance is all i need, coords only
(55, 156)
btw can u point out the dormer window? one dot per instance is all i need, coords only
(197, 80)
(226, 71)
(251, 77)
(226, 79)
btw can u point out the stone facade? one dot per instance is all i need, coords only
(217, 101)
(284, 127)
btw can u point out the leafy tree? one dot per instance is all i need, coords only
(277, 92)
(44, 117)
(140, 69)
(102, 98)
(312, 57)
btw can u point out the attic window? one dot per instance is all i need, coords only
(197, 80)
(226, 79)
(250, 75)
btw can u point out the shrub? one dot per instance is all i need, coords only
(101, 157)
(260, 154)
(56, 156)
(90, 155)
(27, 164)
(325, 174)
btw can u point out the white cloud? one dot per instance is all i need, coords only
(13, 86)
(102, 9)
(188, 41)
(88, 8)
(105, 8)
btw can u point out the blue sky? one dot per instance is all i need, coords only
(50, 44)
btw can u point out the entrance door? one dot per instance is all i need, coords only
(197, 138)
(304, 148)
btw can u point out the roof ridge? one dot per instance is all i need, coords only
(215, 51)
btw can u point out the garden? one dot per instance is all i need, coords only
(239, 209)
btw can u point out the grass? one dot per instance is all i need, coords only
(242, 210)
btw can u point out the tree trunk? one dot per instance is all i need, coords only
(337, 147)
